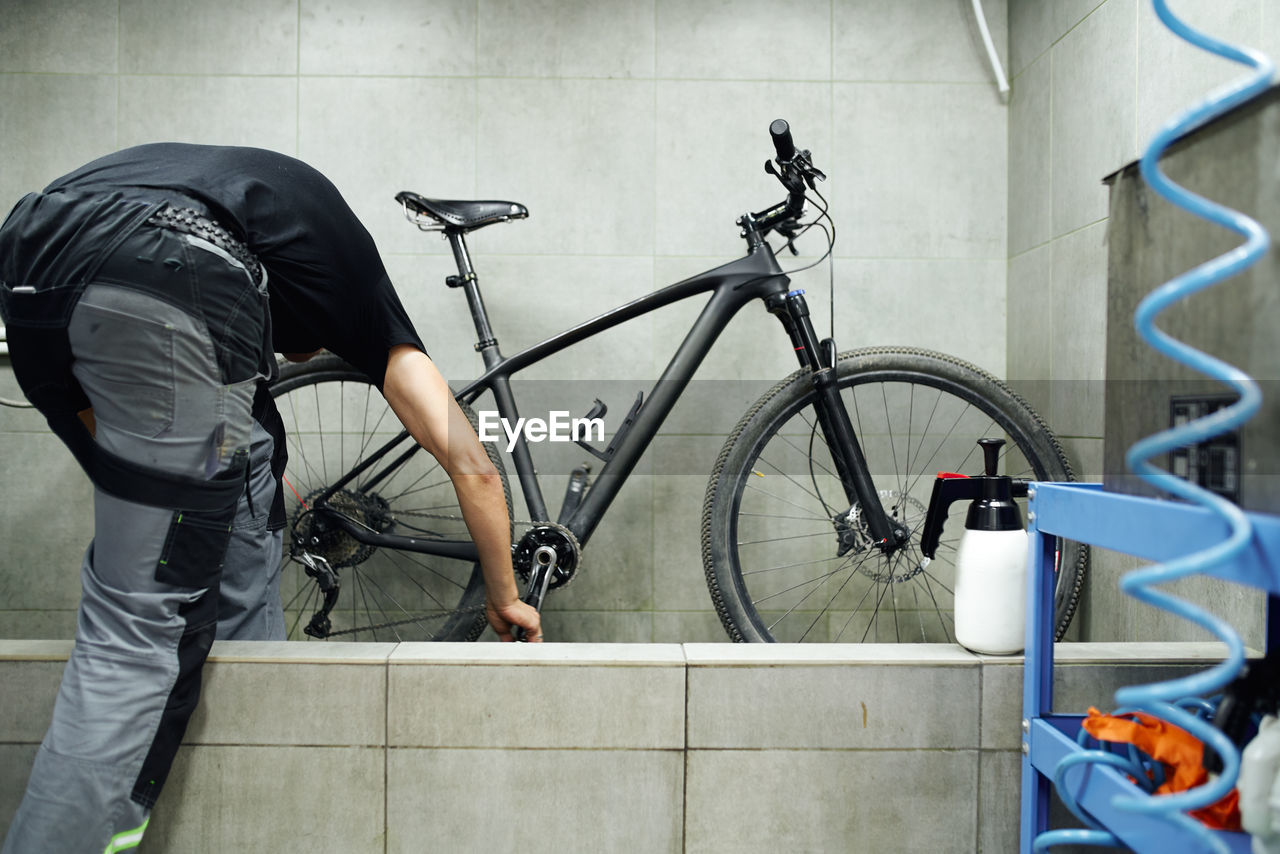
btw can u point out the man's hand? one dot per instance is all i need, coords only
(504, 619)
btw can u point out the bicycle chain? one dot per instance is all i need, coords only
(475, 609)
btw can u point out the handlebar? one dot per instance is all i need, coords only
(796, 172)
(781, 133)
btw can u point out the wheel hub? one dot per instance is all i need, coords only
(852, 535)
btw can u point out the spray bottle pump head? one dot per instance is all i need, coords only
(991, 494)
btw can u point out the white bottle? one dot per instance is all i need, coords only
(991, 561)
(991, 591)
(1259, 787)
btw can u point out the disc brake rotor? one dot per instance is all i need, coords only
(853, 536)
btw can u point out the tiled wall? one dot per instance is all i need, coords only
(594, 747)
(634, 130)
(1092, 81)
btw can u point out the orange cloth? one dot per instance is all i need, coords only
(1177, 750)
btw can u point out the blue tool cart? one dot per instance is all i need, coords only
(1152, 529)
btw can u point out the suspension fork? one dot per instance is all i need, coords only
(819, 359)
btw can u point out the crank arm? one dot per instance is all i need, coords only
(544, 566)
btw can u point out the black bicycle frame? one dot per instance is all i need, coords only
(732, 286)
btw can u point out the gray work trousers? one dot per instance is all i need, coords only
(152, 338)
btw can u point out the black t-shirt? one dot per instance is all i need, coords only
(327, 284)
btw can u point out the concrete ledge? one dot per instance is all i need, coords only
(698, 747)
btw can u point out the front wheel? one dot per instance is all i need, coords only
(334, 420)
(786, 556)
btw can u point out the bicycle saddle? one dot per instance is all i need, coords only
(462, 215)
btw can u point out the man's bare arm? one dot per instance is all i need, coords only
(421, 399)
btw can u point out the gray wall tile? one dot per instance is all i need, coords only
(50, 125)
(712, 137)
(1173, 75)
(1030, 172)
(1093, 112)
(532, 297)
(722, 40)
(999, 800)
(1080, 321)
(438, 312)
(916, 40)
(209, 110)
(31, 687)
(17, 758)
(851, 706)
(343, 131)
(688, 627)
(778, 800)
(624, 800)
(43, 571)
(910, 202)
(678, 579)
(1268, 37)
(400, 37)
(63, 36)
(1031, 327)
(631, 707)
(291, 703)
(1001, 705)
(565, 38)
(190, 37)
(1086, 457)
(1031, 32)
(315, 798)
(45, 623)
(579, 154)
(569, 624)
(941, 305)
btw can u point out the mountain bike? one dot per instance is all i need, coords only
(812, 518)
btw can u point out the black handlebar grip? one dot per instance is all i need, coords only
(781, 133)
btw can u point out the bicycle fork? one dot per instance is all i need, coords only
(819, 358)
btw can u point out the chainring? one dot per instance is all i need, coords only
(558, 537)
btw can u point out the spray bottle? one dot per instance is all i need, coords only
(991, 561)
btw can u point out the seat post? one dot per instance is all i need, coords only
(487, 345)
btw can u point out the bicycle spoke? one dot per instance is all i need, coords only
(783, 539)
(817, 578)
(405, 595)
(893, 451)
(791, 479)
(296, 444)
(875, 612)
(755, 488)
(433, 485)
(792, 565)
(822, 519)
(823, 611)
(400, 559)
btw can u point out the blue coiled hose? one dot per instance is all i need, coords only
(1159, 698)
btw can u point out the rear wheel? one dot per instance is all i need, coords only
(335, 418)
(788, 559)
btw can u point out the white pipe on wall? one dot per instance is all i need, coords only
(1001, 83)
